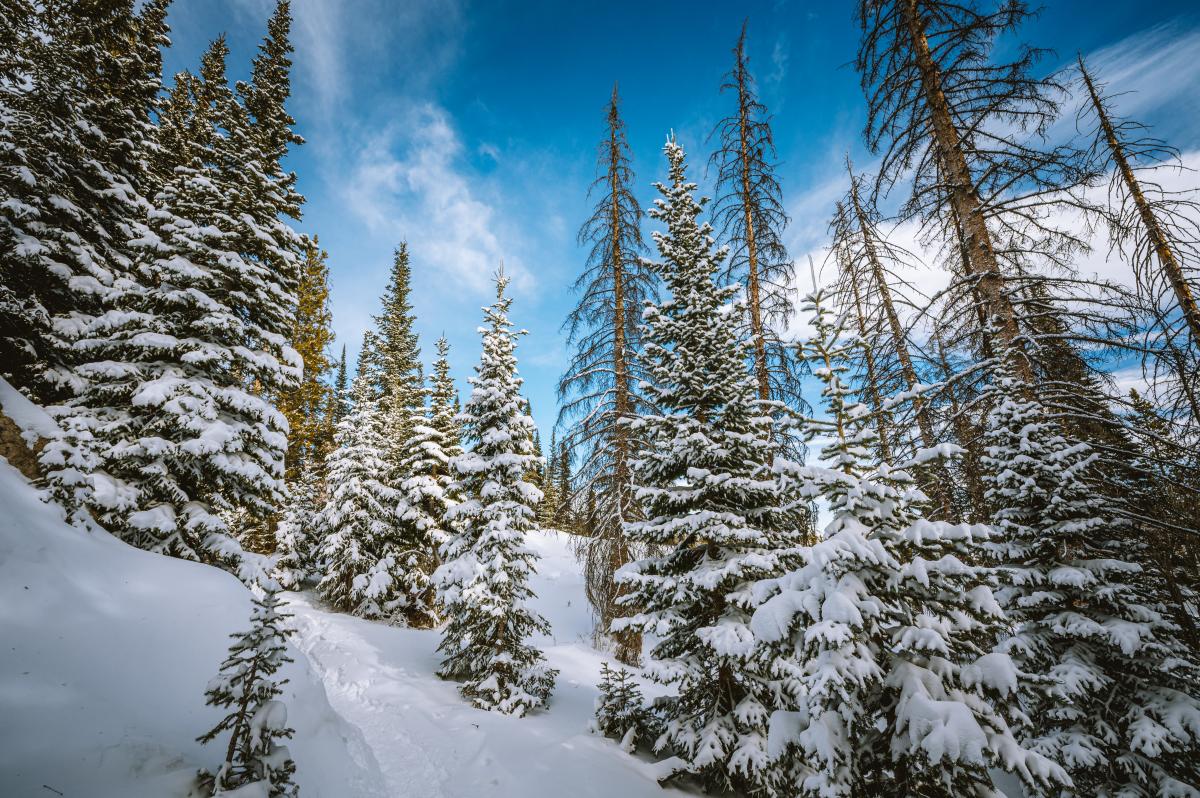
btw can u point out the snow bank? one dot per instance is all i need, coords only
(105, 654)
(32, 420)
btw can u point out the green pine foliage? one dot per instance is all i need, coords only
(257, 719)
(621, 711)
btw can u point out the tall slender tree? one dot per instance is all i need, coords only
(483, 581)
(601, 384)
(867, 273)
(709, 502)
(750, 218)
(1157, 231)
(938, 105)
(305, 407)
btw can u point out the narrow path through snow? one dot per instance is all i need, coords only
(429, 743)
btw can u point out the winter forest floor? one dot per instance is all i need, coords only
(106, 651)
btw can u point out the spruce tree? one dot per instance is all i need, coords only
(311, 334)
(1121, 705)
(427, 492)
(621, 711)
(483, 582)
(339, 404)
(77, 129)
(257, 721)
(298, 534)
(174, 429)
(359, 514)
(710, 504)
(548, 508)
(881, 639)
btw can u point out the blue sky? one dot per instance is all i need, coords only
(469, 128)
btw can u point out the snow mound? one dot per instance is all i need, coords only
(105, 651)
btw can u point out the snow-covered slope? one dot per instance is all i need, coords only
(105, 651)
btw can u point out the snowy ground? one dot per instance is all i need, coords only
(105, 652)
(429, 743)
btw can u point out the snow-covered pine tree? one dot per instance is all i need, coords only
(1122, 712)
(359, 513)
(257, 722)
(427, 491)
(621, 711)
(702, 476)
(881, 638)
(76, 131)
(173, 429)
(399, 384)
(299, 536)
(483, 581)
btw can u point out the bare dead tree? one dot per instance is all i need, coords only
(600, 385)
(749, 217)
(941, 112)
(1157, 229)
(869, 280)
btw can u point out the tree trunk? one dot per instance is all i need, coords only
(1171, 267)
(885, 449)
(761, 372)
(936, 484)
(964, 197)
(628, 642)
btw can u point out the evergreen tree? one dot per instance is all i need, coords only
(443, 404)
(339, 404)
(359, 515)
(483, 581)
(1121, 709)
(702, 474)
(548, 508)
(621, 711)
(400, 387)
(298, 535)
(258, 720)
(173, 429)
(77, 127)
(880, 641)
(398, 380)
(564, 512)
(427, 491)
(309, 433)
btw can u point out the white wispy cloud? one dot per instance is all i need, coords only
(410, 180)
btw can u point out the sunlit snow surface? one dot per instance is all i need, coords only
(105, 651)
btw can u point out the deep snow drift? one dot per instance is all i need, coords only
(105, 651)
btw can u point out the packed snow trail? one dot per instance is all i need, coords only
(430, 743)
